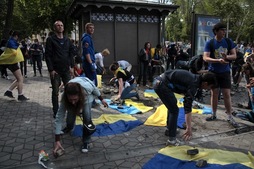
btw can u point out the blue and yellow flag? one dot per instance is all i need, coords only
(11, 56)
(177, 157)
(159, 117)
(109, 124)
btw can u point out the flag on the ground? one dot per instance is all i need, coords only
(159, 117)
(109, 124)
(130, 107)
(177, 157)
(150, 93)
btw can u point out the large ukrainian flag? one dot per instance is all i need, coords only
(109, 124)
(11, 56)
(177, 158)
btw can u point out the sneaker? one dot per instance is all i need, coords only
(65, 130)
(211, 118)
(7, 78)
(233, 122)
(25, 76)
(23, 98)
(8, 94)
(84, 148)
(175, 142)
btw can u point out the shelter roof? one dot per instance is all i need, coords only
(77, 5)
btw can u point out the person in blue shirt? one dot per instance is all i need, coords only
(219, 63)
(88, 54)
(10, 59)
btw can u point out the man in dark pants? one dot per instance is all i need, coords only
(88, 53)
(59, 59)
(171, 82)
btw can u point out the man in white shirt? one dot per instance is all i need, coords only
(125, 65)
(99, 61)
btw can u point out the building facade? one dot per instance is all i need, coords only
(122, 26)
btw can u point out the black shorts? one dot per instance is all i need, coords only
(223, 80)
(12, 67)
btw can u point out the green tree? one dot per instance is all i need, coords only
(30, 17)
(8, 19)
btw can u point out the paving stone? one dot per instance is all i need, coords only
(16, 156)
(19, 146)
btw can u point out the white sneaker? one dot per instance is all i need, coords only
(84, 148)
(233, 122)
(175, 142)
(7, 77)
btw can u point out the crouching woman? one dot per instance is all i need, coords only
(77, 100)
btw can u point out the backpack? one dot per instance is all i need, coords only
(239, 61)
(196, 63)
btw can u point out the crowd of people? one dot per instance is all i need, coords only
(77, 75)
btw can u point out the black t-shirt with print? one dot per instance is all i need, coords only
(128, 77)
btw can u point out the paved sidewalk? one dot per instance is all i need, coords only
(28, 127)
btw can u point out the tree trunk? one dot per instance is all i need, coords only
(8, 19)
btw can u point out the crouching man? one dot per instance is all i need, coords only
(181, 82)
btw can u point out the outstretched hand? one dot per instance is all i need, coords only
(187, 134)
(105, 104)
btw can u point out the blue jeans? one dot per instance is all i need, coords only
(126, 94)
(86, 113)
(90, 74)
(169, 100)
(56, 82)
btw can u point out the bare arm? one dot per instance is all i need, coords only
(188, 132)
(120, 82)
(207, 58)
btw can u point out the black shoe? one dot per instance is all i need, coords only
(211, 118)
(66, 130)
(8, 94)
(23, 98)
(84, 148)
(137, 96)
